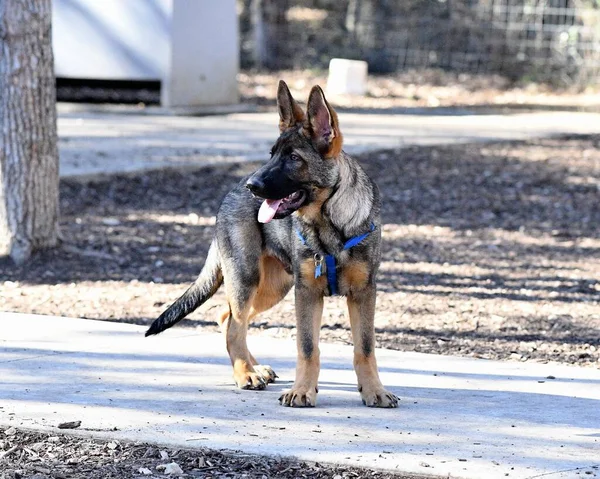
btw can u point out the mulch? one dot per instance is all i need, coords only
(489, 250)
(34, 455)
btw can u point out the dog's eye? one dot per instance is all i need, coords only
(270, 152)
(295, 157)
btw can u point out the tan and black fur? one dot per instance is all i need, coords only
(328, 199)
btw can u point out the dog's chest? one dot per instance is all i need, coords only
(342, 276)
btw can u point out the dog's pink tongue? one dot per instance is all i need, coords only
(267, 210)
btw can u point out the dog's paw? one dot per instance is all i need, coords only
(299, 397)
(250, 380)
(266, 372)
(378, 398)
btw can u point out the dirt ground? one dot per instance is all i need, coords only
(489, 250)
(423, 89)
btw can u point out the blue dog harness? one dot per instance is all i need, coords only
(330, 262)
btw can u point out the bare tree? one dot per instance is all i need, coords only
(28, 142)
(368, 23)
(269, 32)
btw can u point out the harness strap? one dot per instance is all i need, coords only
(302, 238)
(331, 264)
(330, 261)
(357, 239)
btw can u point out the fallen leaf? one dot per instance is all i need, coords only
(69, 425)
(171, 468)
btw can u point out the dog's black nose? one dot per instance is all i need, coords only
(255, 185)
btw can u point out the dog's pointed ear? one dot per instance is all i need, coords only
(290, 113)
(322, 124)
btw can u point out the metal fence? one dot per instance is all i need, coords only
(556, 41)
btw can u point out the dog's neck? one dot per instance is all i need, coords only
(351, 205)
(348, 211)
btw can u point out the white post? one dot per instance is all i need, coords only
(347, 77)
(203, 61)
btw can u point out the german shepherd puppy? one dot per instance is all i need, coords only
(325, 239)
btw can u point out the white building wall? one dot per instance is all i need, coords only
(191, 46)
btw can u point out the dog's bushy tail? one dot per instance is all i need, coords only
(207, 284)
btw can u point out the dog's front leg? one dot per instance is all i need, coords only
(361, 309)
(309, 310)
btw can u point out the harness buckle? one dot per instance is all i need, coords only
(318, 265)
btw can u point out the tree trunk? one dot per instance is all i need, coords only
(368, 20)
(352, 13)
(258, 34)
(28, 149)
(269, 34)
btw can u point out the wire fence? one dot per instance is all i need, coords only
(556, 41)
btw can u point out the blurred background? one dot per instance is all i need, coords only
(556, 41)
(421, 52)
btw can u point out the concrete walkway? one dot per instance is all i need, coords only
(460, 417)
(93, 142)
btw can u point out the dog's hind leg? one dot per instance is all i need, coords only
(274, 284)
(245, 303)
(240, 245)
(265, 371)
(235, 327)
